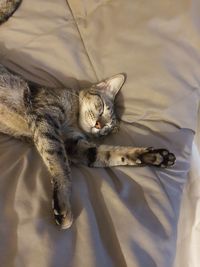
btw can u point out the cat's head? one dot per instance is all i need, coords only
(96, 106)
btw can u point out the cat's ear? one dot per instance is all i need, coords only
(112, 85)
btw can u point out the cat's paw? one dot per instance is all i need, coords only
(62, 213)
(157, 157)
(64, 219)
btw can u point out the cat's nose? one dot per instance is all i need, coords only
(98, 125)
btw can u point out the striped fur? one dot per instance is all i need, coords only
(60, 121)
(7, 8)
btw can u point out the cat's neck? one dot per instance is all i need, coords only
(70, 101)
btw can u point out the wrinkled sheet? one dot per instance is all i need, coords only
(188, 242)
(123, 216)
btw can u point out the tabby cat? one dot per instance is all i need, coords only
(60, 122)
(7, 8)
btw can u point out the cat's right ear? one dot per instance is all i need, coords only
(112, 85)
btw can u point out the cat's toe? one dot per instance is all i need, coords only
(169, 159)
(158, 157)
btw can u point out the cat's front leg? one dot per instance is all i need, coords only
(105, 156)
(47, 139)
(82, 151)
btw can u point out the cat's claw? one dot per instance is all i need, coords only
(157, 157)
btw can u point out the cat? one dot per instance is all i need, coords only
(60, 122)
(7, 8)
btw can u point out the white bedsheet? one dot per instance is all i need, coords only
(188, 243)
(123, 216)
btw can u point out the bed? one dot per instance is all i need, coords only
(124, 216)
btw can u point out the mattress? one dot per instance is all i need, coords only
(123, 216)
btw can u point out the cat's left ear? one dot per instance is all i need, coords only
(112, 85)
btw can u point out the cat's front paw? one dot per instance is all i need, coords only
(62, 210)
(64, 219)
(157, 157)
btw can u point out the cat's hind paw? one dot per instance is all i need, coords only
(157, 157)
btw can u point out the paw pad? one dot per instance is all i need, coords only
(158, 157)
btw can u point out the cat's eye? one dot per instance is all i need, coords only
(98, 125)
(100, 108)
(98, 103)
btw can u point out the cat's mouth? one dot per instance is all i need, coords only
(97, 130)
(102, 131)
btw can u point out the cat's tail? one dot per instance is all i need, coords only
(7, 8)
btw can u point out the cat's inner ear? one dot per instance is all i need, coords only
(112, 85)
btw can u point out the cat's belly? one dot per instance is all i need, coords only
(12, 123)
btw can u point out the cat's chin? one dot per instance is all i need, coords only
(95, 132)
(91, 132)
(84, 126)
